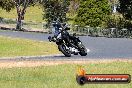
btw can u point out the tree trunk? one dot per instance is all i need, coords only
(18, 26)
(19, 23)
(20, 13)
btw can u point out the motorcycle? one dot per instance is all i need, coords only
(67, 44)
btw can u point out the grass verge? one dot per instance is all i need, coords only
(61, 76)
(10, 47)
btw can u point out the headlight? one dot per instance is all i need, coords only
(60, 28)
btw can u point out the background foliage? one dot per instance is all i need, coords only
(92, 12)
(125, 8)
(55, 9)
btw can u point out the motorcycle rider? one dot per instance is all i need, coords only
(57, 27)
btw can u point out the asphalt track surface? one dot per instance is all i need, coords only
(100, 47)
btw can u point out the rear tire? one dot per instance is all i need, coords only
(65, 51)
(83, 53)
(82, 49)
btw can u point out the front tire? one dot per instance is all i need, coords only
(65, 51)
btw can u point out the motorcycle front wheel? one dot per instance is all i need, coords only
(64, 50)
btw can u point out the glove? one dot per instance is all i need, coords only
(50, 38)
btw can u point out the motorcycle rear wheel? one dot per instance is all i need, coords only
(82, 49)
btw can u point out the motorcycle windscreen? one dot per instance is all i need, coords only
(55, 31)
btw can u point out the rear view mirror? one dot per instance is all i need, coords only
(74, 34)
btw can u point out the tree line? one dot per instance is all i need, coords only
(92, 13)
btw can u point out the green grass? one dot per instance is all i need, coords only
(61, 76)
(10, 47)
(33, 13)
